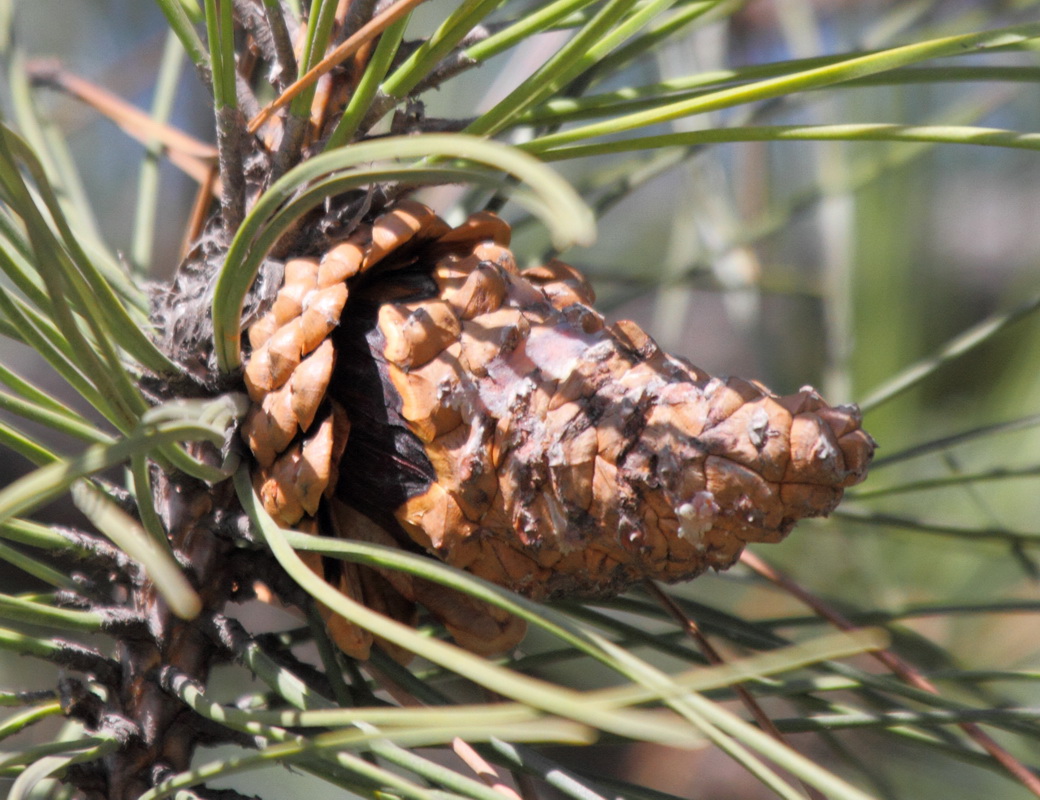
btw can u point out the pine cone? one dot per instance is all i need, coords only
(490, 418)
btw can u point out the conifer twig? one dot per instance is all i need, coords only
(341, 53)
(713, 656)
(903, 669)
(135, 122)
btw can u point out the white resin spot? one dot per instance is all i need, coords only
(824, 450)
(556, 353)
(697, 516)
(758, 427)
(712, 386)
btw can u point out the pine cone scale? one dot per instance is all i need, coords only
(533, 445)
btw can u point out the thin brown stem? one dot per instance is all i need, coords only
(469, 756)
(191, 156)
(341, 53)
(136, 123)
(713, 656)
(294, 132)
(284, 58)
(200, 210)
(359, 12)
(482, 769)
(270, 35)
(230, 124)
(904, 670)
(247, 101)
(451, 66)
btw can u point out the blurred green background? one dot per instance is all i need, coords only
(835, 264)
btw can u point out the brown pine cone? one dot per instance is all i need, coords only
(490, 418)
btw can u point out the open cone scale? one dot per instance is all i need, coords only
(510, 431)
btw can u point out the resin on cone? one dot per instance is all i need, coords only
(489, 417)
